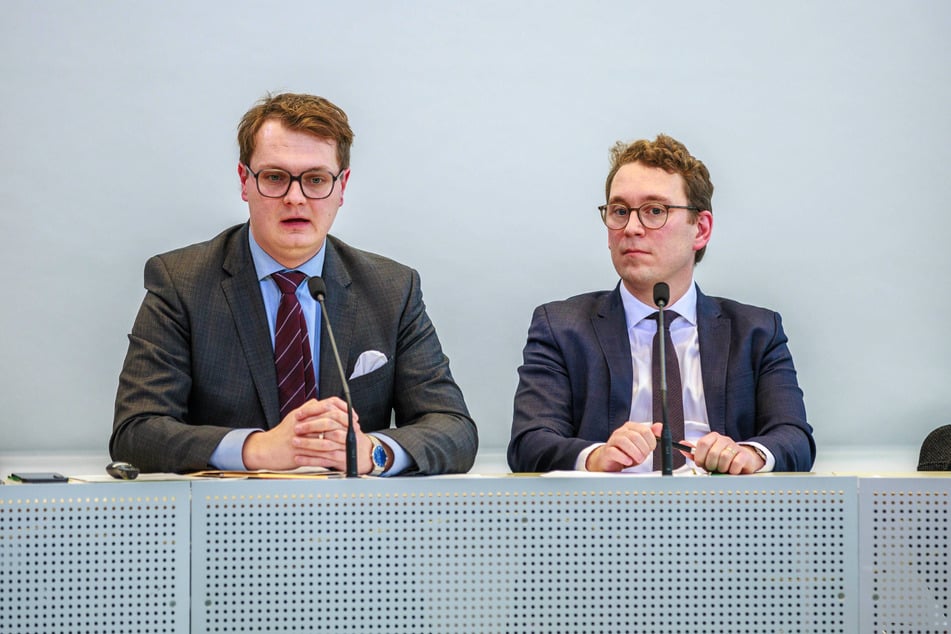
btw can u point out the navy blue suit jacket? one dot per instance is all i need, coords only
(576, 382)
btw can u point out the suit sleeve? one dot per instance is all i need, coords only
(780, 418)
(152, 400)
(543, 428)
(432, 421)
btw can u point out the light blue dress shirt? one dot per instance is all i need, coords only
(227, 455)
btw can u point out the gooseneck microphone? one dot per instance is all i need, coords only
(318, 290)
(661, 297)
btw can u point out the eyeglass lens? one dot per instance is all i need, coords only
(652, 215)
(275, 183)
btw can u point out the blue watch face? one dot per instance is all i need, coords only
(379, 456)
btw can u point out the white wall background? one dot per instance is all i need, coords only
(482, 137)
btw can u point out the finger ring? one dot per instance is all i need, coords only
(321, 435)
(731, 450)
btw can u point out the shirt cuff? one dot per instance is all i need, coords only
(582, 459)
(227, 455)
(770, 459)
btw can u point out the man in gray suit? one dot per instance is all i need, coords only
(199, 387)
(585, 398)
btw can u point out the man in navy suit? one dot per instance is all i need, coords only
(199, 387)
(584, 399)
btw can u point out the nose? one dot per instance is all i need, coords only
(295, 194)
(634, 226)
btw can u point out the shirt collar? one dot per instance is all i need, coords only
(265, 265)
(636, 311)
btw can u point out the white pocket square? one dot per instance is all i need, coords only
(367, 363)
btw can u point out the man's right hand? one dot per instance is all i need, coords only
(628, 446)
(311, 435)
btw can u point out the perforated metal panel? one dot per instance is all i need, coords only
(772, 554)
(905, 526)
(764, 554)
(96, 558)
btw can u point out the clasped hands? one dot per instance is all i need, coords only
(632, 443)
(313, 435)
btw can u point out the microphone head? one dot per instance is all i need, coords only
(661, 294)
(317, 288)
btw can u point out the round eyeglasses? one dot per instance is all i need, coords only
(651, 215)
(275, 183)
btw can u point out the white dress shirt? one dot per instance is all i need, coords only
(683, 331)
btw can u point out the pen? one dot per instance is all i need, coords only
(680, 446)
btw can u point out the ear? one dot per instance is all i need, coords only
(342, 182)
(704, 226)
(244, 176)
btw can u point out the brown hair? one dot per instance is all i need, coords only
(672, 156)
(304, 113)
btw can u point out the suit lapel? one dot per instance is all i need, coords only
(243, 293)
(610, 326)
(713, 336)
(342, 313)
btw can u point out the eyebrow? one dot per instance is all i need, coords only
(322, 168)
(649, 199)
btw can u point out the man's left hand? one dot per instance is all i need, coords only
(720, 454)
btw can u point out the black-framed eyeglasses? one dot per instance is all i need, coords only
(651, 215)
(275, 183)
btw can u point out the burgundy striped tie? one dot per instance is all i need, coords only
(292, 353)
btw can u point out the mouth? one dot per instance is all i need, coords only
(295, 223)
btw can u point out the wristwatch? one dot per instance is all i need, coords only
(378, 456)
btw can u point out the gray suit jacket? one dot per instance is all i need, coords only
(200, 359)
(576, 383)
